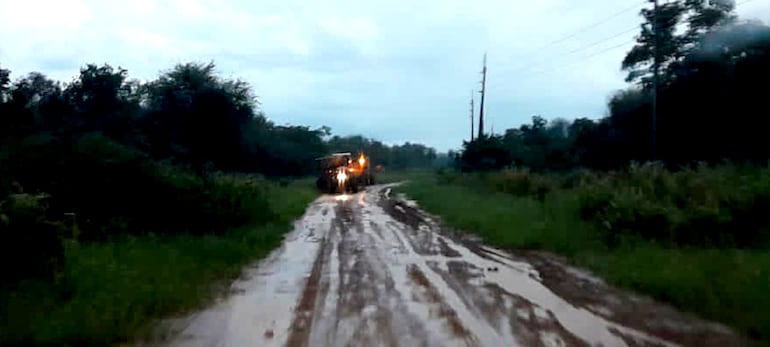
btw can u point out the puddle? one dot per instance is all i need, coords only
(263, 309)
(382, 279)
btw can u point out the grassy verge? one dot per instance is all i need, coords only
(728, 285)
(400, 176)
(113, 290)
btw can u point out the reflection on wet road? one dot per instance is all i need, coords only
(372, 270)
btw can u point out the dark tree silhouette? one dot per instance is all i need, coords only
(709, 100)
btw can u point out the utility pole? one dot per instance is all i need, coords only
(472, 111)
(655, 68)
(483, 91)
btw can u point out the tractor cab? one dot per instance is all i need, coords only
(342, 172)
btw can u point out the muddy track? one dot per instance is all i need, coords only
(373, 270)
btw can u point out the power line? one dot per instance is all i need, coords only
(575, 33)
(581, 60)
(526, 69)
(610, 48)
(579, 49)
(588, 27)
(743, 2)
(634, 28)
(534, 67)
(595, 54)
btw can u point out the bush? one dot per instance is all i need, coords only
(116, 190)
(708, 206)
(31, 244)
(521, 182)
(103, 190)
(702, 206)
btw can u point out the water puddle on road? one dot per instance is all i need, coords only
(262, 307)
(366, 269)
(477, 280)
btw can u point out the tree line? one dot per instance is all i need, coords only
(188, 115)
(104, 156)
(710, 101)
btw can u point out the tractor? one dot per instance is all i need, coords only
(342, 173)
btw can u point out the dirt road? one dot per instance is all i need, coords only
(373, 270)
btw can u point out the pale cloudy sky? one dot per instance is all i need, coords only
(393, 70)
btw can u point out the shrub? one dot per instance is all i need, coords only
(708, 206)
(522, 182)
(114, 190)
(31, 244)
(703, 206)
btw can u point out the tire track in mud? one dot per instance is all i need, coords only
(420, 250)
(261, 307)
(303, 314)
(358, 309)
(428, 293)
(527, 322)
(372, 270)
(557, 321)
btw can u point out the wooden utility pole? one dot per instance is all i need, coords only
(483, 91)
(472, 111)
(655, 68)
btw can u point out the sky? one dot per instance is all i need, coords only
(393, 70)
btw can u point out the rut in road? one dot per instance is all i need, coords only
(372, 270)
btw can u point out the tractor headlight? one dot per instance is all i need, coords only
(342, 176)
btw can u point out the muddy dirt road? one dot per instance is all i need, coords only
(373, 270)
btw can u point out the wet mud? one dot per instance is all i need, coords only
(372, 269)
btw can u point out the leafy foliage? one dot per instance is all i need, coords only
(184, 153)
(707, 101)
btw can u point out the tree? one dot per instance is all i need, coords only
(31, 103)
(484, 154)
(699, 17)
(640, 60)
(99, 99)
(703, 15)
(711, 64)
(194, 116)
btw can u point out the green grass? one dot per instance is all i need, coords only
(116, 291)
(402, 175)
(503, 219)
(726, 285)
(729, 286)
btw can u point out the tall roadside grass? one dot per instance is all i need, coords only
(696, 238)
(387, 177)
(502, 219)
(117, 242)
(114, 291)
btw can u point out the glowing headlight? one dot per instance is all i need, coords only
(341, 176)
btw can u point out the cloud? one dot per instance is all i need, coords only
(395, 70)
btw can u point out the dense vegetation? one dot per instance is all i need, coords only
(684, 237)
(121, 200)
(709, 71)
(102, 177)
(710, 101)
(688, 226)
